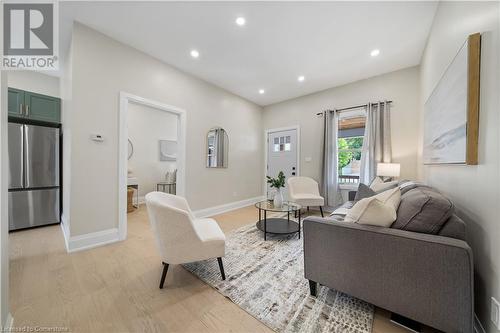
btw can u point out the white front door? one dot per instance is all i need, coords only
(282, 156)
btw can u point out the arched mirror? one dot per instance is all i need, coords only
(217, 148)
(130, 149)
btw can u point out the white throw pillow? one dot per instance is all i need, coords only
(390, 197)
(379, 210)
(379, 185)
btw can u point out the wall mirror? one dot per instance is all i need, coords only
(217, 148)
(130, 149)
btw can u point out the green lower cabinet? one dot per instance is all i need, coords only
(16, 102)
(29, 105)
(42, 107)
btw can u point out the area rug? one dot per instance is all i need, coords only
(266, 279)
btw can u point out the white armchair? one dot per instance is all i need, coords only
(182, 238)
(305, 192)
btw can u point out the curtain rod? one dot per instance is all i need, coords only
(351, 107)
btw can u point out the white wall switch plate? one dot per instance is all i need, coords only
(495, 312)
(97, 137)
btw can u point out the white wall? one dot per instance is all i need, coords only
(5, 317)
(66, 90)
(474, 189)
(402, 87)
(146, 126)
(101, 68)
(35, 82)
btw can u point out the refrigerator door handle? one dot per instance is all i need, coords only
(26, 159)
(23, 164)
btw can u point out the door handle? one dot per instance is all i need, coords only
(26, 157)
(21, 109)
(23, 167)
(27, 110)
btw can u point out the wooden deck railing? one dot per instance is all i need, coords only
(349, 179)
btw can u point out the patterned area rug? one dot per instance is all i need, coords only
(266, 279)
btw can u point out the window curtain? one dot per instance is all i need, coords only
(377, 140)
(329, 173)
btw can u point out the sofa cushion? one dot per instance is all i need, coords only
(423, 209)
(454, 228)
(407, 185)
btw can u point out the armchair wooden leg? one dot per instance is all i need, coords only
(312, 288)
(221, 266)
(163, 274)
(321, 210)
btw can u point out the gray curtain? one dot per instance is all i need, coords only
(377, 140)
(329, 173)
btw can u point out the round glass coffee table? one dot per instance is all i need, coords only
(276, 225)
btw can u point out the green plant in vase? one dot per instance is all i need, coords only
(277, 183)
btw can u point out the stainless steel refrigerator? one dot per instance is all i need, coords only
(33, 176)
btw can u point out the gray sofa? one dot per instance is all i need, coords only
(427, 277)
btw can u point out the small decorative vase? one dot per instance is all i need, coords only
(278, 198)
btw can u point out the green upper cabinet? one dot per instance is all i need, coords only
(42, 107)
(29, 105)
(16, 102)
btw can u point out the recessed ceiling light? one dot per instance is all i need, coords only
(195, 54)
(375, 52)
(261, 91)
(301, 78)
(241, 21)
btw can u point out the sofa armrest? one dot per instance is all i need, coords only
(424, 277)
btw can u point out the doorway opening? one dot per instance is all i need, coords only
(152, 143)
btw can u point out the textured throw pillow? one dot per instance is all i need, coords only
(379, 185)
(378, 210)
(423, 209)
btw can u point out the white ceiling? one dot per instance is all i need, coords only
(327, 42)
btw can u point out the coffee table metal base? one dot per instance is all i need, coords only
(278, 226)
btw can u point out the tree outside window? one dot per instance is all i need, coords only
(349, 145)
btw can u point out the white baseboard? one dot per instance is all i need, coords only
(478, 327)
(9, 323)
(65, 230)
(211, 211)
(88, 241)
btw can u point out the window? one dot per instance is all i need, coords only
(349, 144)
(282, 143)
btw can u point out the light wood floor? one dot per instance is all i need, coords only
(114, 288)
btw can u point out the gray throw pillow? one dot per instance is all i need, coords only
(364, 191)
(423, 209)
